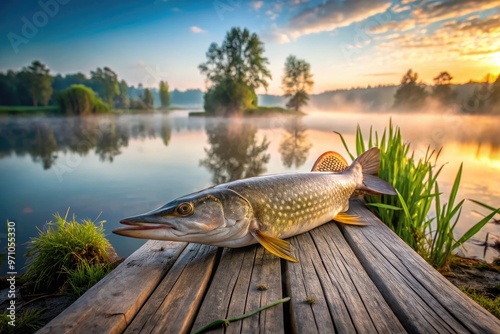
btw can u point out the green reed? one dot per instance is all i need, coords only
(415, 180)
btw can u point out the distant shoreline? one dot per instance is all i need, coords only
(56, 110)
(259, 111)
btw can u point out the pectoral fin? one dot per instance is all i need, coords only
(276, 246)
(350, 219)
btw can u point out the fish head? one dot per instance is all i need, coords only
(212, 216)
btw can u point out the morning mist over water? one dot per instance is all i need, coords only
(113, 166)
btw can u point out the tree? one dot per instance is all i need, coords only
(494, 96)
(238, 65)
(122, 100)
(297, 82)
(148, 98)
(105, 84)
(80, 100)
(62, 82)
(40, 82)
(164, 94)
(229, 97)
(410, 94)
(442, 90)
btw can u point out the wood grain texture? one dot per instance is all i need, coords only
(423, 300)
(234, 292)
(110, 305)
(349, 279)
(172, 306)
(345, 299)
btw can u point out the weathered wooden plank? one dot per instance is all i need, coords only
(423, 300)
(367, 307)
(345, 298)
(265, 287)
(308, 306)
(110, 305)
(233, 291)
(172, 306)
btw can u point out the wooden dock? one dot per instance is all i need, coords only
(349, 280)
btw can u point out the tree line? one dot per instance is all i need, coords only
(234, 70)
(75, 93)
(414, 95)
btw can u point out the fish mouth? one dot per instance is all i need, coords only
(140, 223)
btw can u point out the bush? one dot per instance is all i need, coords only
(229, 97)
(62, 247)
(81, 100)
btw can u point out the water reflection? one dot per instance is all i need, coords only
(43, 138)
(40, 142)
(235, 151)
(110, 140)
(294, 147)
(166, 131)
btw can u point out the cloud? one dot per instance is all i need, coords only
(438, 11)
(401, 8)
(424, 13)
(272, 15)
(476, 25)
(256, 5)
(197, 30)
(400, 26)
(275, 35)
(331, 15)
(473, 39)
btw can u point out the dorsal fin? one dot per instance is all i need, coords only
(330, 162)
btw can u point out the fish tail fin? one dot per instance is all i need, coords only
(372, 184)
(369, 161)
(330, 162)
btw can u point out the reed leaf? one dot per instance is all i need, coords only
(416, 182)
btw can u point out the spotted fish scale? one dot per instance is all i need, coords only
(265, 209)
(287, 205)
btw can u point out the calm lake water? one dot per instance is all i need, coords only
(111, 167)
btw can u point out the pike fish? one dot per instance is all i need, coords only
(264, 209)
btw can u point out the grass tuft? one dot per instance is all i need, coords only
(84, 276)
(61, 248)
(26, 322)
(492, 305)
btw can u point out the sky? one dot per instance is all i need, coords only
(348, 43)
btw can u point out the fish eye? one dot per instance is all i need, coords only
(184, 209)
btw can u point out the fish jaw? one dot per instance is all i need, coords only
(218, 217)
(146, 226)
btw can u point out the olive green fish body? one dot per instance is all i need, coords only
(264, 209)
(289, 204)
